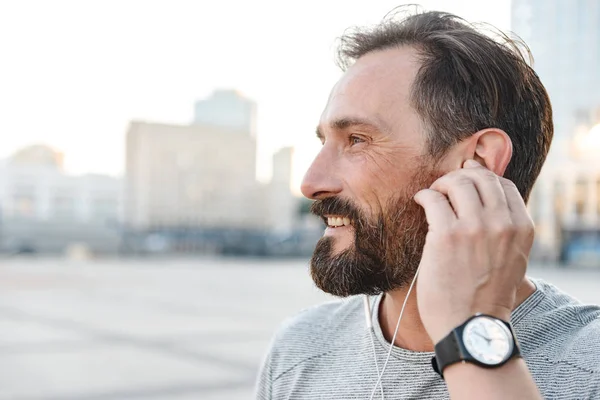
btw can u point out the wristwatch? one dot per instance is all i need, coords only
(482, 340)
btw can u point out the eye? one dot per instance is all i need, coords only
(356, 140)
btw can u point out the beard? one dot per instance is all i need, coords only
(387, 248)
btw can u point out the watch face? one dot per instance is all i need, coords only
(488, 340)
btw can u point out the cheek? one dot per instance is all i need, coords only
(375, 178)
(389, 171)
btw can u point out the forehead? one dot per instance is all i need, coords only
(376, 87)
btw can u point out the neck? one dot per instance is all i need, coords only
(411, 333)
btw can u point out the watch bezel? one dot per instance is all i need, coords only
(452, 349)
(508, 337)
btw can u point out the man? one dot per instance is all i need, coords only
(432, 141)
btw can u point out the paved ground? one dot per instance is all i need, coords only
(148, 329)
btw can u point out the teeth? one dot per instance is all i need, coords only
(338, 221)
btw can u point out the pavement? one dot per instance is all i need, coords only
(158, 329)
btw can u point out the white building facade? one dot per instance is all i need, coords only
(189, 187)
(46, 209)
(565, 202)
(191, 176)
(564, 37)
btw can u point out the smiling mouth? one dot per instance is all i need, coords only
(336, 221)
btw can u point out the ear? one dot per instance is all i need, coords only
(492, 148)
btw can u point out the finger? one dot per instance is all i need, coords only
(438, 211)
(461, 191)
(488, 185)
(516, 204)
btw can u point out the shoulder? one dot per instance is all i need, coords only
(583, 347)
(314, 332)
(560, 334)
(576, 363)
(556, 320)
(554, 308)
(317, 328)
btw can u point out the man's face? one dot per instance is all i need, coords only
(372, 162)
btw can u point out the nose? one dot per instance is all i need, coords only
(322, 179)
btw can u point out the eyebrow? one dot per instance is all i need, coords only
(349, 122)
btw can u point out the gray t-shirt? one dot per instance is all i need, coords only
(325, 352)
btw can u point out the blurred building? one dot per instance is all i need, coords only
(295, 231)
(565, 205)
(283, 205)
(193, 187)
(39, 156)
(564, 37)
(191, 176)
(227, 109)
(44, 209)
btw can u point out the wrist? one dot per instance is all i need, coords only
(441, 327)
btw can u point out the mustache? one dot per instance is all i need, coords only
(335, 206)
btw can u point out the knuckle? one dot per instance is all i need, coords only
(489, 175)
(507, 183)
(436, 196)
(475, 231)
(462, 180)
(450, 233)
(504, 229)
(441, 182)
(454, 178)
(472, 230)
(448, 237)
(526, 226)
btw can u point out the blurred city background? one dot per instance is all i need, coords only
(152, 233)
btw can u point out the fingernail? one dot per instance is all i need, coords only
(472, 163)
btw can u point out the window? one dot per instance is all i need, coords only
(23, 200)
(23, 206)
(63, 206)
(580, 197)
(559, 201)
(598, 196)
(533, 205)
(104, 209)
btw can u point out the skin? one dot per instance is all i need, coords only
(480, 234)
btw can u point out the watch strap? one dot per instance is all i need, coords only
(451, 348)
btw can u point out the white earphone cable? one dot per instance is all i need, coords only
(369, 316)
(394, 337)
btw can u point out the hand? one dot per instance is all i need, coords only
(476, 251)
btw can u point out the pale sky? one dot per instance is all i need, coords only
(74, 73)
